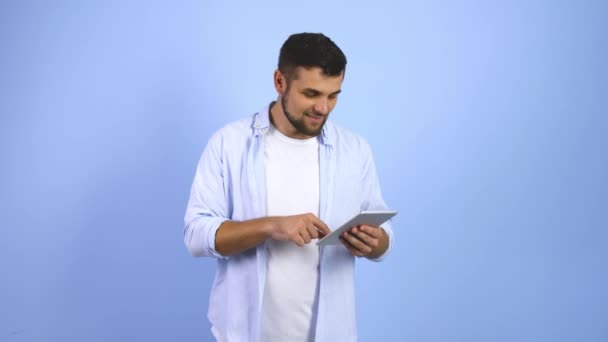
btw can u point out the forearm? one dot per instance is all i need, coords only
(234, 237)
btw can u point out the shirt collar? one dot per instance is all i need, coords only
(261, 123)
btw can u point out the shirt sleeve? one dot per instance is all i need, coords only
(207, 207)
(372, 197)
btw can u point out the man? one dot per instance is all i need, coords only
(266, 188)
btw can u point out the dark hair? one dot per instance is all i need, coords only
(311, 50)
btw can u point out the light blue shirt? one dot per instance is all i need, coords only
(229, 185)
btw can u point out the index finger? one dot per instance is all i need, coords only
(321, 226)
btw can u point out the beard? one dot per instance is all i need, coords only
(300, 124)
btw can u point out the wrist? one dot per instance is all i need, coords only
(269, 226)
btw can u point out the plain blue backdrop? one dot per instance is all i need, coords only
(488, 120)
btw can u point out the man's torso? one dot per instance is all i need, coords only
(292, 187)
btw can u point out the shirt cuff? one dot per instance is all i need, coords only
(211, 237)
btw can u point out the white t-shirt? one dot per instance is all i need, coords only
(292, 187)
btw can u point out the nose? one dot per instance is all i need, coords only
(322, 107)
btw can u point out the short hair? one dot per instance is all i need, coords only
(311, 50)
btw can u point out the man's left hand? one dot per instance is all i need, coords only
(365, 240)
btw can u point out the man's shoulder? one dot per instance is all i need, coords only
(345, 138)
(236, 130)
(238, 127)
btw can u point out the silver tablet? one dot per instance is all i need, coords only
(372, 218)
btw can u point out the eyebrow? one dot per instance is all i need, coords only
(318, 92)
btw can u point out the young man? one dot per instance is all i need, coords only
(266, 188)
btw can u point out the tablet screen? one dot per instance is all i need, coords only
(372, 218)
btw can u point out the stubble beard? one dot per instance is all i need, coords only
(299, 124)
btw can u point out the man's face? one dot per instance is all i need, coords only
(309, 98)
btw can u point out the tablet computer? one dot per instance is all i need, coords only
(372, 218)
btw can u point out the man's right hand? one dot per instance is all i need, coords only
(234, 237)
(300, 229)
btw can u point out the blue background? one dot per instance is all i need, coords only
(488, 120)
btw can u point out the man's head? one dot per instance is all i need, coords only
(309, 76)
(311, 50)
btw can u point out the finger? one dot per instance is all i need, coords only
(373, 231)
(298, 240)
(352, 249)
(305, 235)
(358, 244)
(321, 226)
(366, 238)
(312, 231)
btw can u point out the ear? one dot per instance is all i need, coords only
(280, 83)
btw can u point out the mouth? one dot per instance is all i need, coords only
(316, 118)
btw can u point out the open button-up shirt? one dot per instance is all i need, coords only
(229, 185)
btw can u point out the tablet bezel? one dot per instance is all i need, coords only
(368, 217)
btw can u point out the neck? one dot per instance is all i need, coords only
(279, 120)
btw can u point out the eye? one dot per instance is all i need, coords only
(334, 95)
